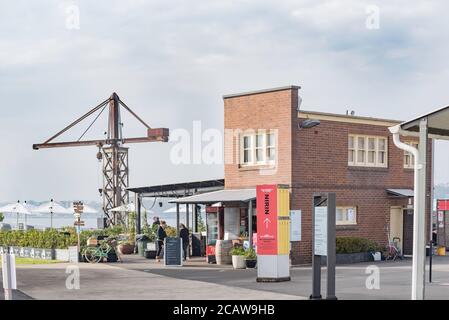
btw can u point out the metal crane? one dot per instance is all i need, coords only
(111, 151)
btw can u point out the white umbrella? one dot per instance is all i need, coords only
(130, 207)
(17, 208)
(182, 209)
(52, 207)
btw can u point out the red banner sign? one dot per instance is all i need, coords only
(267, 220)
(443, 205)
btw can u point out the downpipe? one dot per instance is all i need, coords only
(417, 166)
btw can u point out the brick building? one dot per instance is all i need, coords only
(350, 155)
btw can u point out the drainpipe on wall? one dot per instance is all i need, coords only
(419, 187)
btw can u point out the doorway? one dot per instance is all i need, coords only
(408, 232)
(397, 225)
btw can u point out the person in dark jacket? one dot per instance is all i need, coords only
(184, 235)
(161, 235)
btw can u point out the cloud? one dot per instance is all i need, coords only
(171, 61)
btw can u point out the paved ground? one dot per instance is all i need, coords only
(138, 278)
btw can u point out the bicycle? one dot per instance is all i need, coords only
(393, 251)
(98, 253)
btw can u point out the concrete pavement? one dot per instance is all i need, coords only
(138, 278)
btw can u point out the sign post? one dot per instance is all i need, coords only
(273, 233)
(9, 274)
(323, 243)
(78, 207)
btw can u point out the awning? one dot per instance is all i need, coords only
(230, 195)
(437, 121)
(400, 193)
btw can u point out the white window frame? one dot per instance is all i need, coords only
(253, 138)
(366, 150)
(347, 222)
(411, 164)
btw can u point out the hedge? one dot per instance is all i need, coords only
(52, 239)
(355, 245)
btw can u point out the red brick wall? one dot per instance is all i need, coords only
(273, 110)
(316, 160)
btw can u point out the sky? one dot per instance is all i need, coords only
(171, 62)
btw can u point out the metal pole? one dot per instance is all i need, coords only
(187, 216)
(177, 219)
(250, 223)
(432, 177)
(316, 260)
(331, 244)
(419, 219)
(138, 202)
(195, 210)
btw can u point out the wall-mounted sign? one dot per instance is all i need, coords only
(320, 241)
(295, 225)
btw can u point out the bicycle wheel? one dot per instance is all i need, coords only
(92, 255)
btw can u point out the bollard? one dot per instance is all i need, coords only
(9, 274)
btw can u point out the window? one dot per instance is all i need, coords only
(367, 151)
(258, 148)
(409, 159)
(346, 215)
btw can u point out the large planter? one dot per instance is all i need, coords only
(126, 248)
(223, 252)
(251, 263)
(349, 258)
(238, 262)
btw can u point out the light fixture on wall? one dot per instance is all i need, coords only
(308, 123)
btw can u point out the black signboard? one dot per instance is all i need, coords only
(173, 252)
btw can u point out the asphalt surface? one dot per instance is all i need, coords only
(138, 278)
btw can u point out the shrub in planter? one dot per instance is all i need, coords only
(356, 245)
(126, 247)
(238, 258)
(250, 258)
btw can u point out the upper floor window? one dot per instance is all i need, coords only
(409, 159)
(258, 148)
(367, 151)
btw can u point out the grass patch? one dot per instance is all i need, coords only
(25, 261)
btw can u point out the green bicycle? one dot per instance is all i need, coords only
(100, 252)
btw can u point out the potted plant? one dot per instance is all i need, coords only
(238, 258)
(250, 258)
(126, 247)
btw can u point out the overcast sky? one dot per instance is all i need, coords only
(172, 61)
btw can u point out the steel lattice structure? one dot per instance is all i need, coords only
(115, 157)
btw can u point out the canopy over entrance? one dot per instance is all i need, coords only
(223, 196)
(434, 125)
(437, 124)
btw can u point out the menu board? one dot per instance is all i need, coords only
(320, 231)
(173, 252)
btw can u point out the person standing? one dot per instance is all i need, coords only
(184, 235)
(161, 235)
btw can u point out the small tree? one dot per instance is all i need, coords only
(2, 217)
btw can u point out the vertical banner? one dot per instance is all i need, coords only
(267, 243)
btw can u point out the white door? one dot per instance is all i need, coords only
(397, 225)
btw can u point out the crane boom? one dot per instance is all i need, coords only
(114, 155)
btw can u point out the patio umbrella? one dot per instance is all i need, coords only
(130, 207)
(52, 207)
(17, 208)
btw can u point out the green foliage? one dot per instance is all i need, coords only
(250, 254)
(355, 245)
(2, 217)
(171, 232)
(237, 251)
(52, 238)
